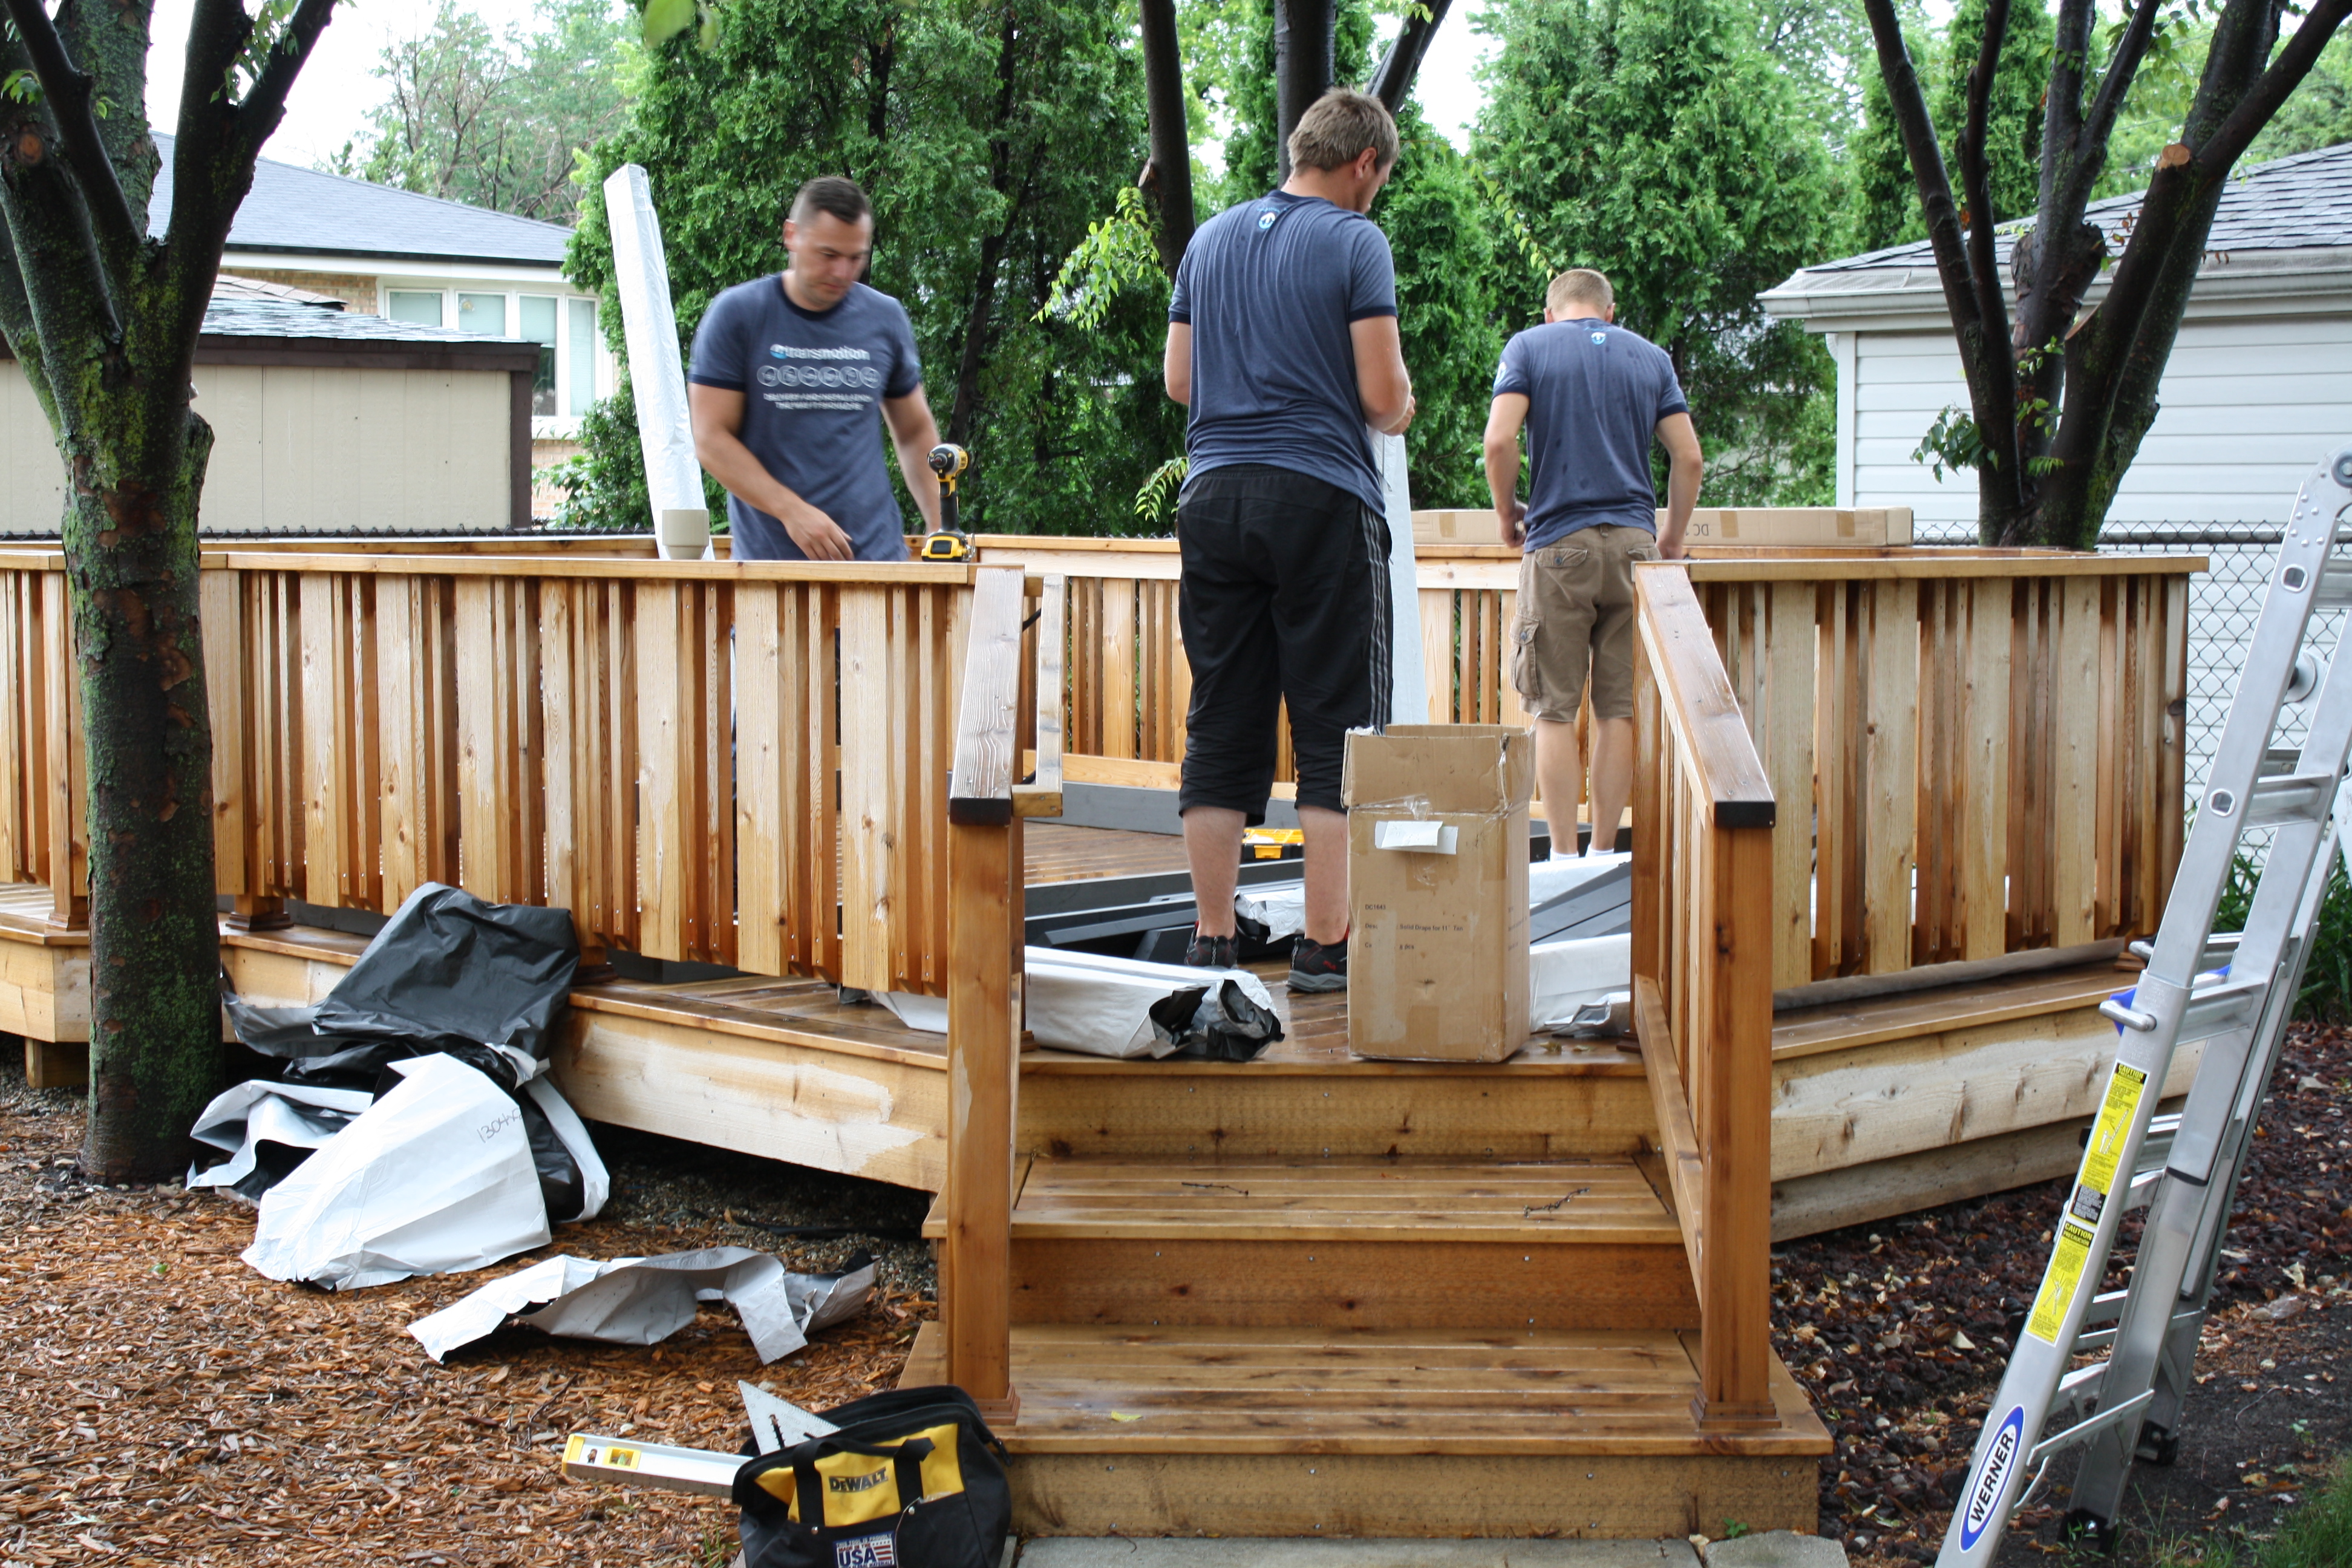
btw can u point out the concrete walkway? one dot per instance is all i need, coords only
(1777, 1550)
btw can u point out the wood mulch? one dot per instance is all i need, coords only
(164, 1404)
(1899, 1331)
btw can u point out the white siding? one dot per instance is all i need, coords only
(2246, 407)
(301, 449)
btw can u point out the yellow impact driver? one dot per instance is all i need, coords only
(949, 543)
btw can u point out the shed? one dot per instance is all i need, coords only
(322, 419)
(2258, 389)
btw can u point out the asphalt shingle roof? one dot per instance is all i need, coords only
(297, 209)
(233, 317)
(2300, 203)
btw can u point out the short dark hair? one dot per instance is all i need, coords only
(830, 193)
(1339, 127)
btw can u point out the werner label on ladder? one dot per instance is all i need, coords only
(2234, 992)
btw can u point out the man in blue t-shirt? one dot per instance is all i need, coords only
(789, 371)
(1282, 338)
(1592, 396)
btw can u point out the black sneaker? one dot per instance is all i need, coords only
(1213, 951)
(1314, 967)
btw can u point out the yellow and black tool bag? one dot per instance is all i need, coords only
(914, 1478)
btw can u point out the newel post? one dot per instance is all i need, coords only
(1734, 1120)
(985, 890)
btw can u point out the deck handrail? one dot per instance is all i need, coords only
(1702, 817)
(984, 998)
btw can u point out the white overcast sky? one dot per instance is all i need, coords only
(335, 92)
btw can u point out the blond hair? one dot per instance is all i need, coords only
(1580, 286)
(1339, 127)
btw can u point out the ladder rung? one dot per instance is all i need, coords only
(2229, 1005)
(2291, 797)
(2220, 949)
(2281, 760)
(2335, 590)
(2089, 1426)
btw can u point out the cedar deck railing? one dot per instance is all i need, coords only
(1977, 751)
(1703, 923)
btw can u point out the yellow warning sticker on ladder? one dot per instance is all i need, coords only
(2060, 1285)
(2104, 1152)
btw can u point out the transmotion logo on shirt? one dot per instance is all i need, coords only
(1265, 220)
(1600, 337)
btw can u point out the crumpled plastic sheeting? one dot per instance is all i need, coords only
(643, 1301)
(1564, 975)
(649, 328)
(447, 972)
(435, 1177)
(1102, 1006)
(1219, 1022)
(269, 1129)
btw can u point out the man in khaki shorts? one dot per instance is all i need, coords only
(1592, 396)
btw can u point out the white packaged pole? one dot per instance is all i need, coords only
(1408, 683)
(681, 522)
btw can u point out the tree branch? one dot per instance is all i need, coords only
(65, 88)
(1169, 175)
(1393, 78)
(2130, 50)
(2061, 116)
(2222, 149)
(265, 106)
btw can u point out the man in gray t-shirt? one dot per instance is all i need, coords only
(1592, 398)
(789, 372)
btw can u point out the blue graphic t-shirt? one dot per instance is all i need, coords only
(813, 385)
(1270, 288)
(1595, 394)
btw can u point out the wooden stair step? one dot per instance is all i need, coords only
(1355, 1242)
(1410, 1432)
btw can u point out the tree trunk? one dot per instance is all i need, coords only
(130, 540)
(1168, 176)
(1302, 68)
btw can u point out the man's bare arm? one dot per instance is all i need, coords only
(914, 433)
(717, 417)
(1504, 418)
(1176, 362)
(1383, 387)
(1684, 466)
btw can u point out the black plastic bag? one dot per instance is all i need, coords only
(1219, 1022)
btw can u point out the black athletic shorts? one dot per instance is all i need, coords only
(1285, 597)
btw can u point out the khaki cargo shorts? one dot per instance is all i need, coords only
(1576, 614)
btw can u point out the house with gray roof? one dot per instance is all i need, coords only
(325, 419)
(2258, 387)
(429, 262)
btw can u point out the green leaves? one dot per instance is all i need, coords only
(1952, 442)
(665, 19)
(1118, 254)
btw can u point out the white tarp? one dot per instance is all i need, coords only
(657, 373)
(1548, 879)
(435, 1177)
(288, 1115)
(1084, 1002)
(1566, 974)
(643, 1301)
(1279, 907)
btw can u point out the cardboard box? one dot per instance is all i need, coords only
(1437, 890)
(1800, 527)
(1457, 527)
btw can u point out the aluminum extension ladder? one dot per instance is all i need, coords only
(2234, 993)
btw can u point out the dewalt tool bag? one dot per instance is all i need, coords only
(913, 1479)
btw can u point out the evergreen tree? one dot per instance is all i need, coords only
(1659, 142)
(988, 136)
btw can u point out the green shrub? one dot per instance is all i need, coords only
(2326, 993)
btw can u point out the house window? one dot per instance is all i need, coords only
(539, 327)
(582, 355)
(483, 313)
(416, 306)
